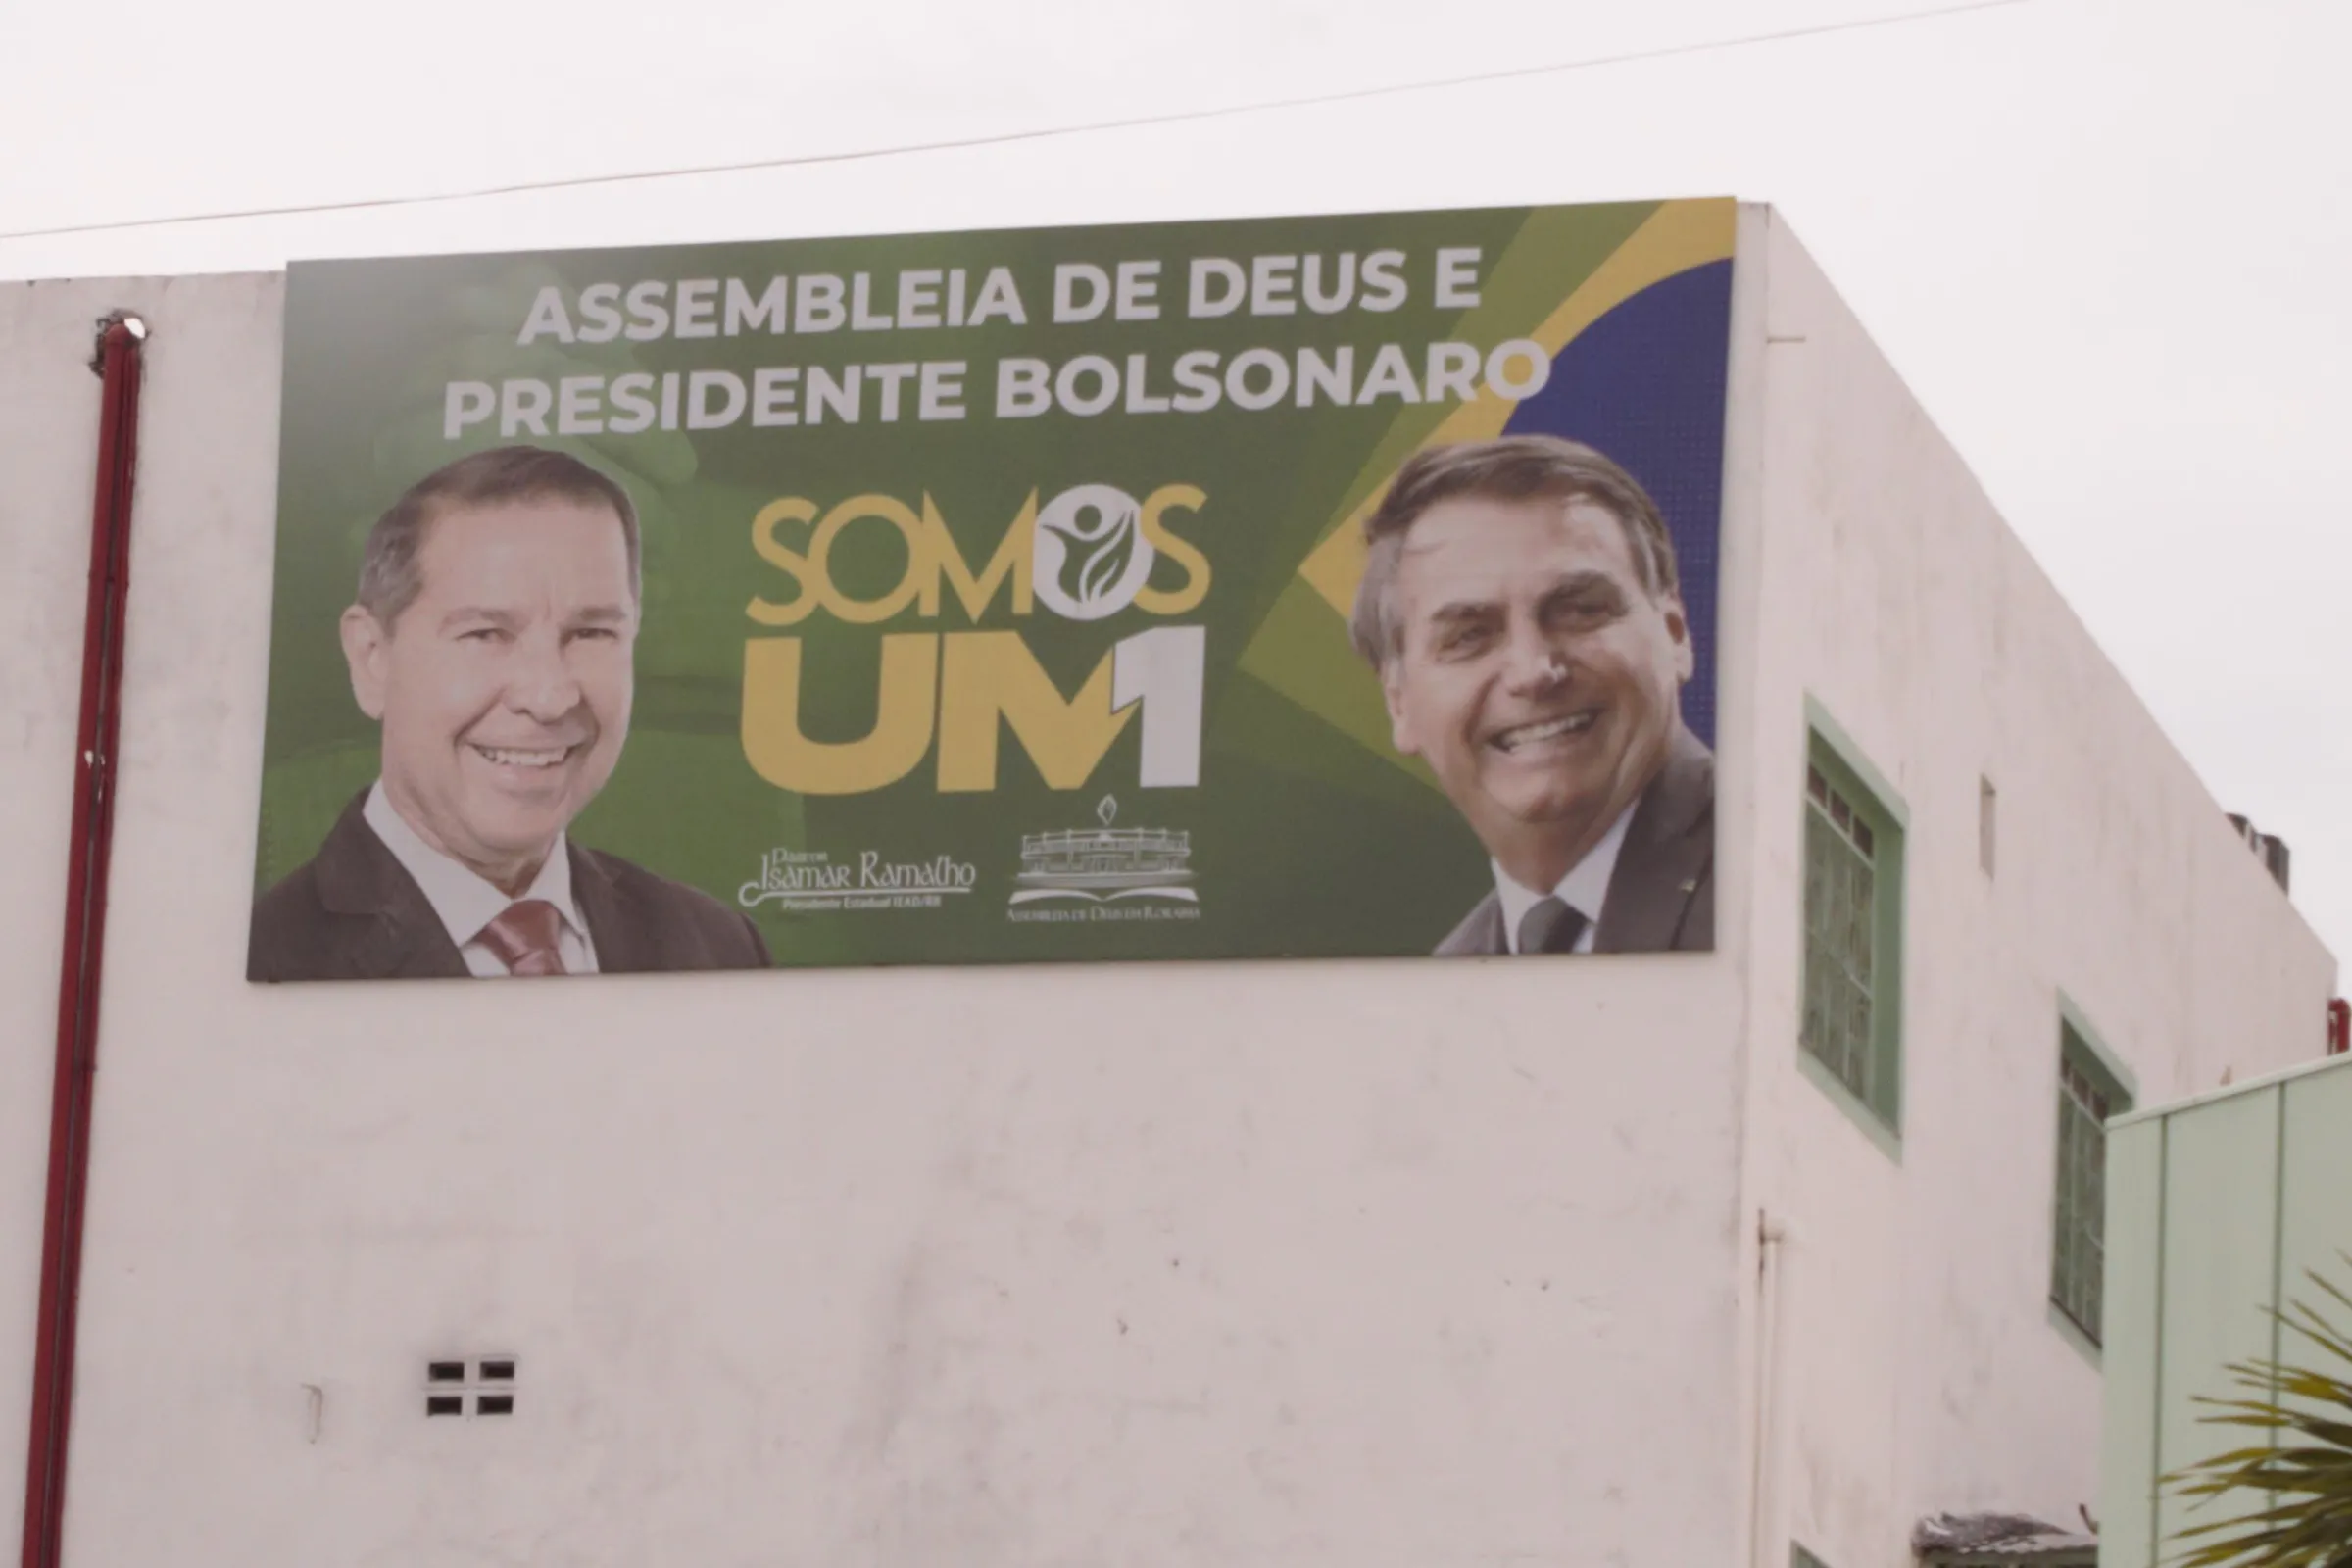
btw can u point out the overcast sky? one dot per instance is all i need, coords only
(2101, 239)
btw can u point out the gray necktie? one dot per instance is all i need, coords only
(1551, 926)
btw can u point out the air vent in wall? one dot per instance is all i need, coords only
(476, 1385)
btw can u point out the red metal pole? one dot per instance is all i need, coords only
(84, 945)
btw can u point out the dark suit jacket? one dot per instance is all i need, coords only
(1662, 893)
(354, 913)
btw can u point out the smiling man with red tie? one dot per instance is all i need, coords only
(493, 640)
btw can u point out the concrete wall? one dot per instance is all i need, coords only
(44, 563)
(1383, 1263)
(1922, 1370)
(1351, 1263)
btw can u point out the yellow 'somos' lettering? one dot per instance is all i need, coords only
(932, 555)
(1183, 552)
(1014, 557)
(789, 509)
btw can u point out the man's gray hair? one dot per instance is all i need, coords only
(1513, 467)
(390, 577)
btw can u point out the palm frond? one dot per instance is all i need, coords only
(2291, 1464)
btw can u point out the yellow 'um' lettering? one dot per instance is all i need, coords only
(780, 754)
(992, 675)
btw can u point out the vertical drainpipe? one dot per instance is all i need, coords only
(88, 847)
(1772, 1266)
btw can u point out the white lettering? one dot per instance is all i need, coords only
(1384, 272)
(1451, 367)
(772, 394)
(1390, 377)
(997, 297)
(1023, 388)
(941, 394)
(1498, 364)
(522, 406)
(1237, 378)
(1106, 384)
(649, 318)
(1068, 278)
(576, 407)
(547, 316)
(861, 316)
(466, 403)
(1211, 273)
(636, 409)
(890, 377)
(744, 314)
(698, 302)
(700, 416)
(1137, 401)
(1196, 373)
(1457, 278)
(599, 304)
(817, 307)
(1139, 291)
(918, 297)
(1270, 283)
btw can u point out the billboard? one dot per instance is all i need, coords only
(1295, 587)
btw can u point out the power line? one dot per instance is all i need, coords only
(1043, 133)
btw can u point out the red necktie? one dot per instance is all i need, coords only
(523, 937)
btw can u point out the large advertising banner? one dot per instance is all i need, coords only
(1277, 588)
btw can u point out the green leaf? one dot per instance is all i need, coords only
(2291, 1492)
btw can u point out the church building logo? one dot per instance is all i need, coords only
(1098, 865)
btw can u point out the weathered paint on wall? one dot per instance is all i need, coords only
(2218, 1207)
(45, 499)
(1336, 1262)
(1923, 1371)
(1404, 1263)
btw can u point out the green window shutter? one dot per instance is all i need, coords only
(1799, 1557)
(1851, 1022)
(2088, 1095)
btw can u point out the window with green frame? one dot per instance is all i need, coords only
(1853, 857)
(2088, 1095)
(1799, 1557)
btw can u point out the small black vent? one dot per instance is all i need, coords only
(482, 1385)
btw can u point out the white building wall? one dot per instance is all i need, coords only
(1922, 1370)
(1275, 1262)
(1351, 1263)
(45, 499)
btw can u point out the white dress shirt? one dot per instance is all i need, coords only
(1585, 889)
(465, 902)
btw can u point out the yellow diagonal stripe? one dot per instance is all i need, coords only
(1679, 237)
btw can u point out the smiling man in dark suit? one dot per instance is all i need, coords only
(1522, 605)
(493, 639)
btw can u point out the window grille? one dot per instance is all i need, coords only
(2086, 1097)
(1853, 847)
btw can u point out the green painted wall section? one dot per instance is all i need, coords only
(2214, 1210)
